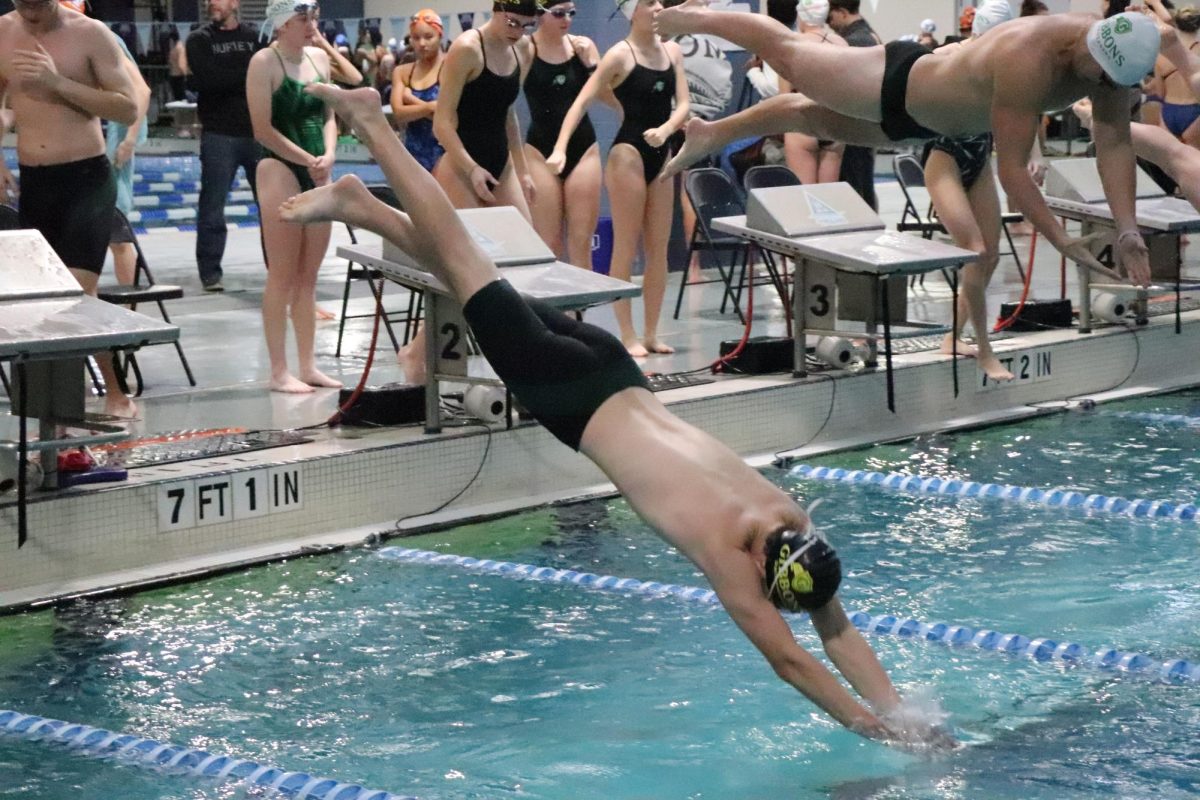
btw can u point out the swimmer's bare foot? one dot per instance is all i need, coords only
(339, 198)
(1083, 110)
(964, 349)
(356, 106)
(289, 384)
(683, 18)
(637, 349)
(994, 369)
(118, 405)
(657, 346)
(323, 315)
(411, 359)
(314, 377)
(699, 141)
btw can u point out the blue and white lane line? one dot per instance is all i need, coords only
(183, 761)
(1054, 498)
(1038, 649)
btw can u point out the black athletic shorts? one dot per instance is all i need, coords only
(561, 370)
(72, 206)
(899, 58)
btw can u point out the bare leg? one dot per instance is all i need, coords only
(124, 262)
(438, 237)
(581, 196)
(973, 226)
(845, 80)
(116, 403)
(282, 246)
(656, 231)
(780, 114)
(624, 178)
(547, 212)
(314, 243)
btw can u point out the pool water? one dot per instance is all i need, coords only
(432, 681)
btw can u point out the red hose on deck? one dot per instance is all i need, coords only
(1005, 323)
(336, 417)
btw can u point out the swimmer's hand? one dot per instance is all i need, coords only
(9, 189)
(481, 181)
(1080, 251)
(1134, 256)
(529, 188)
(557, 161)
(124, 153)
(36, 67)
(656, 137)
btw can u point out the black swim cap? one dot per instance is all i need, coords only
(524, 8)
(802, 571)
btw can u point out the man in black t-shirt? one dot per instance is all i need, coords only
(218, 56)
(858, 163)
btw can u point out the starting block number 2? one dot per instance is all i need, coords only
(225, 498)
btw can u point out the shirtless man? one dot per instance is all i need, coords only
(63, 72)
(902, 93)
(756, 546)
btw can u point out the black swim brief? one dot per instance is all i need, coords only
(561, 370)
(899, 58)
(71, 205)
(972, 154)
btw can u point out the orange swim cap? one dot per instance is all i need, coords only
(427, 16)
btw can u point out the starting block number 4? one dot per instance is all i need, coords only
(225, 498)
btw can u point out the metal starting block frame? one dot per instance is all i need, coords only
(1073, 191)
(827, 230)
(525, 262)
(48, 327)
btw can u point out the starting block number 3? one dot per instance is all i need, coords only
(225, 498)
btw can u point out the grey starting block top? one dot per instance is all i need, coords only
(512, 244)
(560, 285)
(44, 314)
(1073, 190)
(868, 252)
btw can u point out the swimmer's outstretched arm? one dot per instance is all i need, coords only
(1118, 176)
(737, 584)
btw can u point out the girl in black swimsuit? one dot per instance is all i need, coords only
(475, 122)
(646, 75)
(561, 66)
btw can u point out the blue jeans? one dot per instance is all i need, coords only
(220, 157)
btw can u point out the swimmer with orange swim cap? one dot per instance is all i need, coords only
(1003, 83)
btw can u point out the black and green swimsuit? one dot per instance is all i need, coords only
(300, 117)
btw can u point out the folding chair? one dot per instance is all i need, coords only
(713, 194)
(767, 176)
(141, 292)
(375, 279)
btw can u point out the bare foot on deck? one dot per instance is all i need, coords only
(994, 369)
(314, 377)
(289, 384)
(681, 19)
(325, 202)
(637, 349)
(698, 142)
(657, 346)
(118, 405)
(324, 316)
(411, 359)
(964, 349)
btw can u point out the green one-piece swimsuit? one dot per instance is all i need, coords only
(300, 117)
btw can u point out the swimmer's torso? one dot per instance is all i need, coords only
(48, 130)
(952, 92)
(696, 493)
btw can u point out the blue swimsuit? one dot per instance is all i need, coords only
(418, 134)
